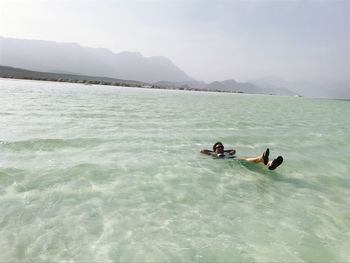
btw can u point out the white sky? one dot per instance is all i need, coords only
(209, 40)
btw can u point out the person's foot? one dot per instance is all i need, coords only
(275, 163)
(265, 156)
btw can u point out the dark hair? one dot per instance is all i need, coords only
(216, 144)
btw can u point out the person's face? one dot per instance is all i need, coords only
(219, 148)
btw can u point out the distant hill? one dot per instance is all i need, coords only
(49, 56)
(223, 86)
(273, 88)
(17, 73)
(189, 84)
(232, 85)
(337, 90)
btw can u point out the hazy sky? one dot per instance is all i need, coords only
(209, 40)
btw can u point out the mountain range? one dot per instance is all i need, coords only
(73, 59)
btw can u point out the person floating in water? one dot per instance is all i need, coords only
(219, 152)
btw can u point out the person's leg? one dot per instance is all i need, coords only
(263, 158)
(257, 159)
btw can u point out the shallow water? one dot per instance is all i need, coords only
(96, 173)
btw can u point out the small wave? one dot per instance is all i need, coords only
(6, 113)
(49, 144)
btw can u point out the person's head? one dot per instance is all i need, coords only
(218, 147)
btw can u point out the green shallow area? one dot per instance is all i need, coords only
(96, 173)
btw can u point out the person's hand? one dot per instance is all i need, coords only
(232, 152)
(205, 152)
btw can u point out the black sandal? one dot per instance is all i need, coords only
(266, 156)
(275, 163)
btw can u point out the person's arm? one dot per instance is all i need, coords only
(230, 151)
(207, 152)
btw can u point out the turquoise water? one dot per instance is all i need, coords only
(96, 173)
